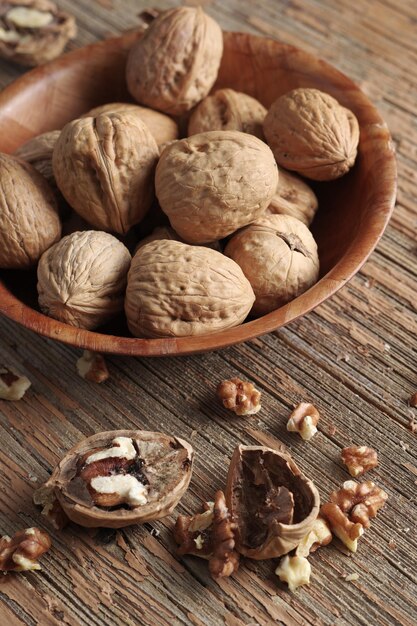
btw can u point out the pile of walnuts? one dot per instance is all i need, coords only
(232, 212)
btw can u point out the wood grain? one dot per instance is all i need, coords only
(354, 357)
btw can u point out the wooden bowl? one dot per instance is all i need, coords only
(353, 213)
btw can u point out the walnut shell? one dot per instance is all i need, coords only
(82, 278)
(104, 167)
(33, 32)
(227, 109)
(175, 63)
(177, 290)
(311, 133)
(293, 197)
(213, 183)
(272, 503)
(164, 461)
(162, 127)
(29, 221)
(166, 232)
(278, 255)
(38, 152)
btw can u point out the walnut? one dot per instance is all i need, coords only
(240, 397)
(210, 535)
(351, 508)
(273, 505)
(177, 290)
(82, 279)
(227, 109)
(293, 197)
(166, 232)
(92, 366)
(33, 32)
(161, 127)
(359, 459)
(213, 183)
(312, 134)
(175, 63)
(318, 536)
(38, 152)
(51, 509)
(13, 385)
(117, 478)
(104, 168)
(20, 553)
(295, 571)
(278, 255)
(304, 420)
(29, 222)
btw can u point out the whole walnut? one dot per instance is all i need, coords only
(33, 32)
(38, 152)
(213, 183)
(162, 127)
(82, 279)
(311, 133)
(104, 167)
(293, 197)
(175, 63)
(166, 232)
(177, 290)
(278, 255)
(227, 109)
(29, 221)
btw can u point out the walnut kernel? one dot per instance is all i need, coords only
(13, 386)
(240, 397)
(92, 366)
(304, 420)
(359, 459)
(295, 571)
(20, 552)
(318, 536)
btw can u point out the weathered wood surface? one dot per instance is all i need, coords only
(354, 357)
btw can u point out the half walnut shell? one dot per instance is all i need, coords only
(272, 503)
(117, 478)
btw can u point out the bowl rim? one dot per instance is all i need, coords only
(354, 257)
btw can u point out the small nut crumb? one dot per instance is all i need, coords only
(404, 446)
(412, 424)
(20, 553)
(303, 420)
(359, 459)
(413, 400)
(351, 577)
(240, 397)
(295, 571)
(318, 536)
(331, 430)
(12, 385)
(92, 366)
(392, 545)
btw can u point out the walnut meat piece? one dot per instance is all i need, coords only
(29, 221)
(311, 133)
(177, 290)
(38, 152)
(104, 168)
(227, 109)
(304, 420)
(293, 197)
(210, 535)
(240, 397)
(272, 503)
(21, 552)
(13, 386)
(295, 571)
(162, 127)
(359, 459)
(279, 257)
(175, 63)
(117, 478)
(33, 32)
(82, 279)
(213, 183)
(318, 536)
(92, 366)
(351, 508)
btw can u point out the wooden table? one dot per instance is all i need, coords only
(354, 357)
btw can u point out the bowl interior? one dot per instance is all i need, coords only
(353, 211)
